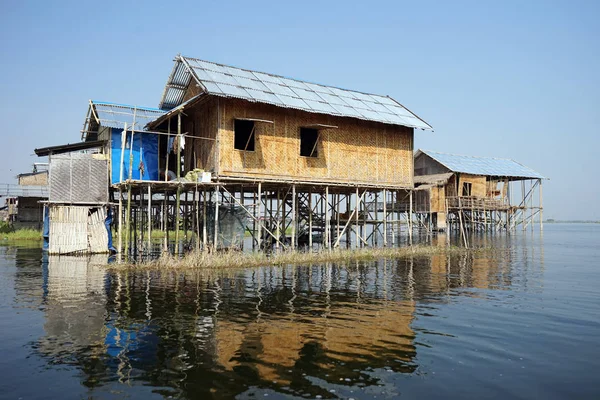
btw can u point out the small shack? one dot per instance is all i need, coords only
(77, 216)
(478, 193)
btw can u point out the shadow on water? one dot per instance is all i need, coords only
(323, 330)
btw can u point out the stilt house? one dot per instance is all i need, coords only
(450, 187)
(249, 126)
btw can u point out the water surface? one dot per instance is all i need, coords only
(521, 322)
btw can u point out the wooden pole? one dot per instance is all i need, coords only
(178, 194)
(294, 217)
(337, 216)
(216, 226)
(385, 217)
(204, 230)
(149, 219)
(128, 221)
(327, 218)
(197, 200)
(259, 227)
(123, 140)
(356, 220)
(541, 208)
(278, 230)
(410, 214)
(310, 220)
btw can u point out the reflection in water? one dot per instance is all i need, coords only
(295, 330)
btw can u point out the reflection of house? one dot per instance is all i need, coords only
(473, 191)
(75, 298)
(351, 334)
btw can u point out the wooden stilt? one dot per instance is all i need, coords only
(204, 230)
(216, 226)
(149, 219)
(310, 220)
(327, 219)
(385, 217)
(294, 217)
(541, 208)
(259, 227)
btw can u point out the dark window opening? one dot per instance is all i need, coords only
(308, 142)
(466, 189)
(243, 135)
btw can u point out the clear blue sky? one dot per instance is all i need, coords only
(516, 79)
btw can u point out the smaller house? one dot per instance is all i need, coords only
(475, 192)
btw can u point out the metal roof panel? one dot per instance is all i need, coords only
(226, 80)
(488, 166)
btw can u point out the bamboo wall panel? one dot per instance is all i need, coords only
(438, 199)
(74, 229)
(355, 152)
(202, 123)
(38, 179)
(68, 230)
(478, 188)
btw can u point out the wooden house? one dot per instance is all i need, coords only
(244, 125)
(474, 192)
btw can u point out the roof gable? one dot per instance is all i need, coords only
(226, 81)
(487, 166)
(113, 115)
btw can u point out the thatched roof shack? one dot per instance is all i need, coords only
(446, 181)
(244, 125)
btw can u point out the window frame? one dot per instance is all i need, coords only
(315, 149)
(251, 138)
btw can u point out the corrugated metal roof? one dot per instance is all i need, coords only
(227, 81)
(116, 115)
(488, 166)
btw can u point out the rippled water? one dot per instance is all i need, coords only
(523, 322)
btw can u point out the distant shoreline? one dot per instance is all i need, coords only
(557, 221)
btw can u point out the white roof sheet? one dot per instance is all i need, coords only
(488, 166)
(227, 81)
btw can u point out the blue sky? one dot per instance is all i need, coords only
(515, 79)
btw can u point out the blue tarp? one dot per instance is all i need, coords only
(46, 229)
(145, 153)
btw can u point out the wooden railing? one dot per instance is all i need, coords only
(477, 203)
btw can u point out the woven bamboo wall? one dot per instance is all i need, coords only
(356, 152)
(479, 185)
(74, 230)
(438, 199)
(38, 179)
(202, 122)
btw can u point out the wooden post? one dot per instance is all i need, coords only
(278, 222)
(410, 214)
(385, 216)
(348, 239)
(178, 193)
(123, 140)
(128, 221)
(204, 232)
(327, 218)
(196, 201)
(337, 215)
(541, 208)
(358, 242)
(216, 226)
(310, 220)
(259, 227)
(524, 205)
(294, 217)
(149, 219)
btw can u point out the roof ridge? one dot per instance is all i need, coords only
(470, 156)
(290, 78)
(107, 103)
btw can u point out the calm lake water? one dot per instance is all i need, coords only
(523, 322)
